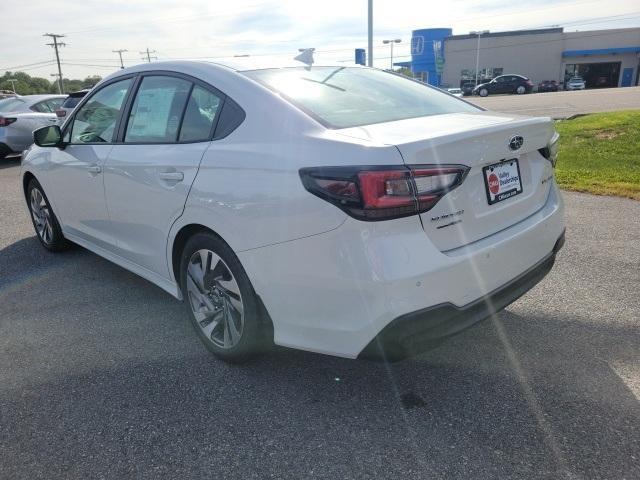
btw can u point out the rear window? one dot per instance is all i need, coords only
(342, 97)
(11, 104)
(71, 102)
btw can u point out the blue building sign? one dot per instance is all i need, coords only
(427, 54)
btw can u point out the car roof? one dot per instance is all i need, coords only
(238, 64)
(31, 99)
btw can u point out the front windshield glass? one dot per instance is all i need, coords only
(341, 97)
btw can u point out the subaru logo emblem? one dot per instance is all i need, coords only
(516, 142)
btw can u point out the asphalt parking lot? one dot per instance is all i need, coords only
(102, 377)
(563, 104)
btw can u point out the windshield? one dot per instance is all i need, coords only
(341, 97)
(11, 104)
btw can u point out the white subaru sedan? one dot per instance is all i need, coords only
(342, 210)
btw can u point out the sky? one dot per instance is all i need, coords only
(189, 29)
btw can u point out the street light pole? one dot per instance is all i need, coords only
(391, 42)
(479, 33)
(370, 36)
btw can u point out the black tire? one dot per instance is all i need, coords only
(254, 328)
(50, 235)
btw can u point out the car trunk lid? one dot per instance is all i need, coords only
(477, 140)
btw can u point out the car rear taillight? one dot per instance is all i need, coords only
(60, 112)
(380, 193)
(550, 152)
(4, 121)
(528, 82)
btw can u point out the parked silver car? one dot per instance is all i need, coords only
(20, 116)
(576, 83)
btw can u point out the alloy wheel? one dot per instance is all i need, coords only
(215, 299)
(41, 216)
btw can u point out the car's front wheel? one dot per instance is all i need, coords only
(483, 92)
(521, 90)
(44, 220)
(224, 308)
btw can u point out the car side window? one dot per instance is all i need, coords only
(157, 110)
(42, 107)
(95, 122)
(202, 109)
(55, 103)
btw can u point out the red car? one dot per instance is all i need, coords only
(548, 86)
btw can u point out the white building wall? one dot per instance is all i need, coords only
(537, 56)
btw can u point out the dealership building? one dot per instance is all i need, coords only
(604, 58)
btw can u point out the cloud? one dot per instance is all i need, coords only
(213, 28)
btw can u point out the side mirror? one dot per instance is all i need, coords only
(49, 136)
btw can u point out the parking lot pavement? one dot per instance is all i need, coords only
(102, 377)
(563, 104)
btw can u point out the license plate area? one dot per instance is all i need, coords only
(502, 180)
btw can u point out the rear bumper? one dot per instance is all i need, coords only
(416, 332)
(335, 292)
(13, 141)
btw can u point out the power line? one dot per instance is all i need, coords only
(55, 45)
(26, 65)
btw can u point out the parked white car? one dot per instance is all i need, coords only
(576, 83)
(342, 210)
(456, 92)
(20, 116)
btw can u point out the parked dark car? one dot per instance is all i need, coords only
(467, 88)
(548, 86)
(69, 104)
(505, 84)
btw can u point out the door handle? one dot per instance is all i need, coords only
(95, 169)
(171, 176)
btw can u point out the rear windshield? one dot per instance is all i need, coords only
(342, 97)
(71, 102)
(11, 104)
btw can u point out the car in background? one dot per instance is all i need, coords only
(456, 92)
(505, 84)
(69, 104)
(20, 116)
(467, 88)
(576, 83)
(548, 86)
(6, 94)
(385, 217)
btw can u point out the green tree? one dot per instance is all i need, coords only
(28, 85)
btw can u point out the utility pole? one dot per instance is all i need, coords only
(370, 35)
(55, 45)
(120, 52)
(13, 84)
(148, 53)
